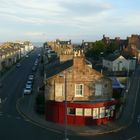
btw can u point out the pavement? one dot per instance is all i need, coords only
(25, 107)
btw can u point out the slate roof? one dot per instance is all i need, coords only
(53, 70)
(113, 57)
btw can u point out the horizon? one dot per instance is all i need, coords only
(73, 41)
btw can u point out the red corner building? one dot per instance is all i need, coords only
(88, 94)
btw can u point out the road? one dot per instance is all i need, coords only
(13, 126)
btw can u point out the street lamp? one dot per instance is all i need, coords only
(127, 77)
(65, 93)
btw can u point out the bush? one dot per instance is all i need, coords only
(40, 103)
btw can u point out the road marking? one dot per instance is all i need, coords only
(27, 120)
(132, 138)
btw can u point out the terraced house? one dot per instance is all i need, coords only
(64, 49)
(11, 52)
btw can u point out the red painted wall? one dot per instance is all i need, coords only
(55, 112)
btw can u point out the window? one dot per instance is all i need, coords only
(102, 112)
(95, 113)
(59, 90)
(87, 112)
(105, 85)
(79, 88)
(98, 89)
(71, 111)
(79, 111)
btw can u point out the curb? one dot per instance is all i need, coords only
(25, 116)
(72, 132)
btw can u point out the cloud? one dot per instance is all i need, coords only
(72, 18)
(85, 8)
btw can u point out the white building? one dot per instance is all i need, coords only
(119, 63)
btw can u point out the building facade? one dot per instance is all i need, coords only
(64, 49)
(11, 52)
(116, 63)
(87, 92)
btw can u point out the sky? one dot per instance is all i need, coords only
(46, 20)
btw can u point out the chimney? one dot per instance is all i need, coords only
(79, 59)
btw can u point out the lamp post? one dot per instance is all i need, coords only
(65, 106)
(127, 77)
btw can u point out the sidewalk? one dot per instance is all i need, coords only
(25, 107)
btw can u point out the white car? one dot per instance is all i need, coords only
(28, 86)
(29, 82)
(31, 77)
(27, 91)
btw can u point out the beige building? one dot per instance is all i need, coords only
(64, 49)
(11, 52)
(78, 80)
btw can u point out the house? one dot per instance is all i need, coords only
(134, 45)
(64, 49)
(88, 93)
(11, 52)
(119, 62)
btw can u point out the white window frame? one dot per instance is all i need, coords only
(97, 91)
(78, 95)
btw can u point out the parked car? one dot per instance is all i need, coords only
(33, 68)
(18, 65)
(31, 77)
(29, 82)
(28, 85)
(27, 90)
(27, 56)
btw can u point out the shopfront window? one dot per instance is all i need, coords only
(79, 111)
(71, 111)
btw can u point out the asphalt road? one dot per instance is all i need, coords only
(13, 126)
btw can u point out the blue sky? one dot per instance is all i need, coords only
(44, 20)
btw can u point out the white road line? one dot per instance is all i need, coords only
(132, 138)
